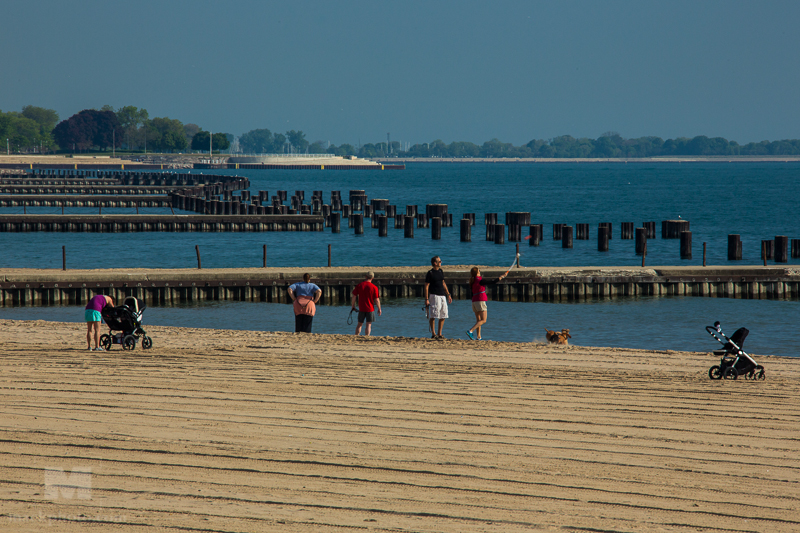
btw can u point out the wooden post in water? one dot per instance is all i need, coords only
(781, 249)
(627, 230)
(197, 251)
(769, 248)
(557, 228)
(517, 255)
(602, 238)
(358, 223)
(383, 225)
(795, 248)
(466, 230)
(607, 225)
(566, 236)
(734, 247)
(686, 245)
(336, 222)
(399, 221)
(265, 256)
(651, 229)
(764, 252)
(535, 232)
(408, 231)
(641, 240)
(704, 254)
(644, 252)
(499, 233)
(329, 255)
(436, 228)
(63, 258)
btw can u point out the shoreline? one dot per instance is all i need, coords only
(226, 430)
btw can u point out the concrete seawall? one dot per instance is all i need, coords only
(74, 287)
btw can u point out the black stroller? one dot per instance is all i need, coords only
(735, 361)
(127, 320)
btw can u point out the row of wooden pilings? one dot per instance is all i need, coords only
(776, 249)
(338, 291)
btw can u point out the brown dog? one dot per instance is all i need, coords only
(554, 337)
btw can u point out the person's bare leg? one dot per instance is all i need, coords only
(441, 326)
(96, 334)
(431, 326)
(358, 329)
(368, 329)
(481, 321)
(89, 335)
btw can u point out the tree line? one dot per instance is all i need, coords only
(38, 130)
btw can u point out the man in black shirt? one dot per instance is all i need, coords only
(437, 296)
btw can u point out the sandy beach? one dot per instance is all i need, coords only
(215, 430)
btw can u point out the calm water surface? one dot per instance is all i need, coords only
(665, 323)
(756, 200)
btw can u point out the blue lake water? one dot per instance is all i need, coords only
(667, 323)
(756, 200)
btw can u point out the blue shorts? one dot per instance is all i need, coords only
(90, 315)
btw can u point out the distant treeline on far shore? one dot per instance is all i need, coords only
(39, 130)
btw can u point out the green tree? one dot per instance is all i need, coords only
(201, 140)
(258, 141)
(168, 135)
(297, 139)
(132, 120)
(46, 118)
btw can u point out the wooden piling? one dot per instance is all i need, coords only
(582, 232)
(408, 232)
(329, 255)
(650, 228)
(358, 223)
(436, 228)
(795, 248)
(641, 240)
(781, 249)
(535, 232)
(265, 256)
(197, 251)
(734, 247)
(607, 225)
(422, 220)
(399, 221)
(686, 245)
(336, 222)
(602, 238)
(557, 229)
(383, 225)
(566, 237)
(704, 254)
(499, 233)
(466, 230)
(627, 230)
(63, 258)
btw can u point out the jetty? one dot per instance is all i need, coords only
(33, 287)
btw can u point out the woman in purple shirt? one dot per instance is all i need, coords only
(93, 319)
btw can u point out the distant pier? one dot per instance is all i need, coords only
(28, 287)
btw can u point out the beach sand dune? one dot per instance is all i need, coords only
(215, 430)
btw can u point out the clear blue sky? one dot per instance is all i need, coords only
(350, 71)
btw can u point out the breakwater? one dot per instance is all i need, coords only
(75, 287)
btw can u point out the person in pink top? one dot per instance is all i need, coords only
(479, 299)
(93, 319)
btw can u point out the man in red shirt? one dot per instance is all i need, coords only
(366, 297)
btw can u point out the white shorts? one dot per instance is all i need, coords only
(438, 306)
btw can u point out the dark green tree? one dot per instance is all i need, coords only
(258, 141)
(298, 141)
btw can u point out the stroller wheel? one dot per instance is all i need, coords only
(730, 373)
(105, 341)
(147, 342)
(129, 342)
(760, 375)
(714, 372)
